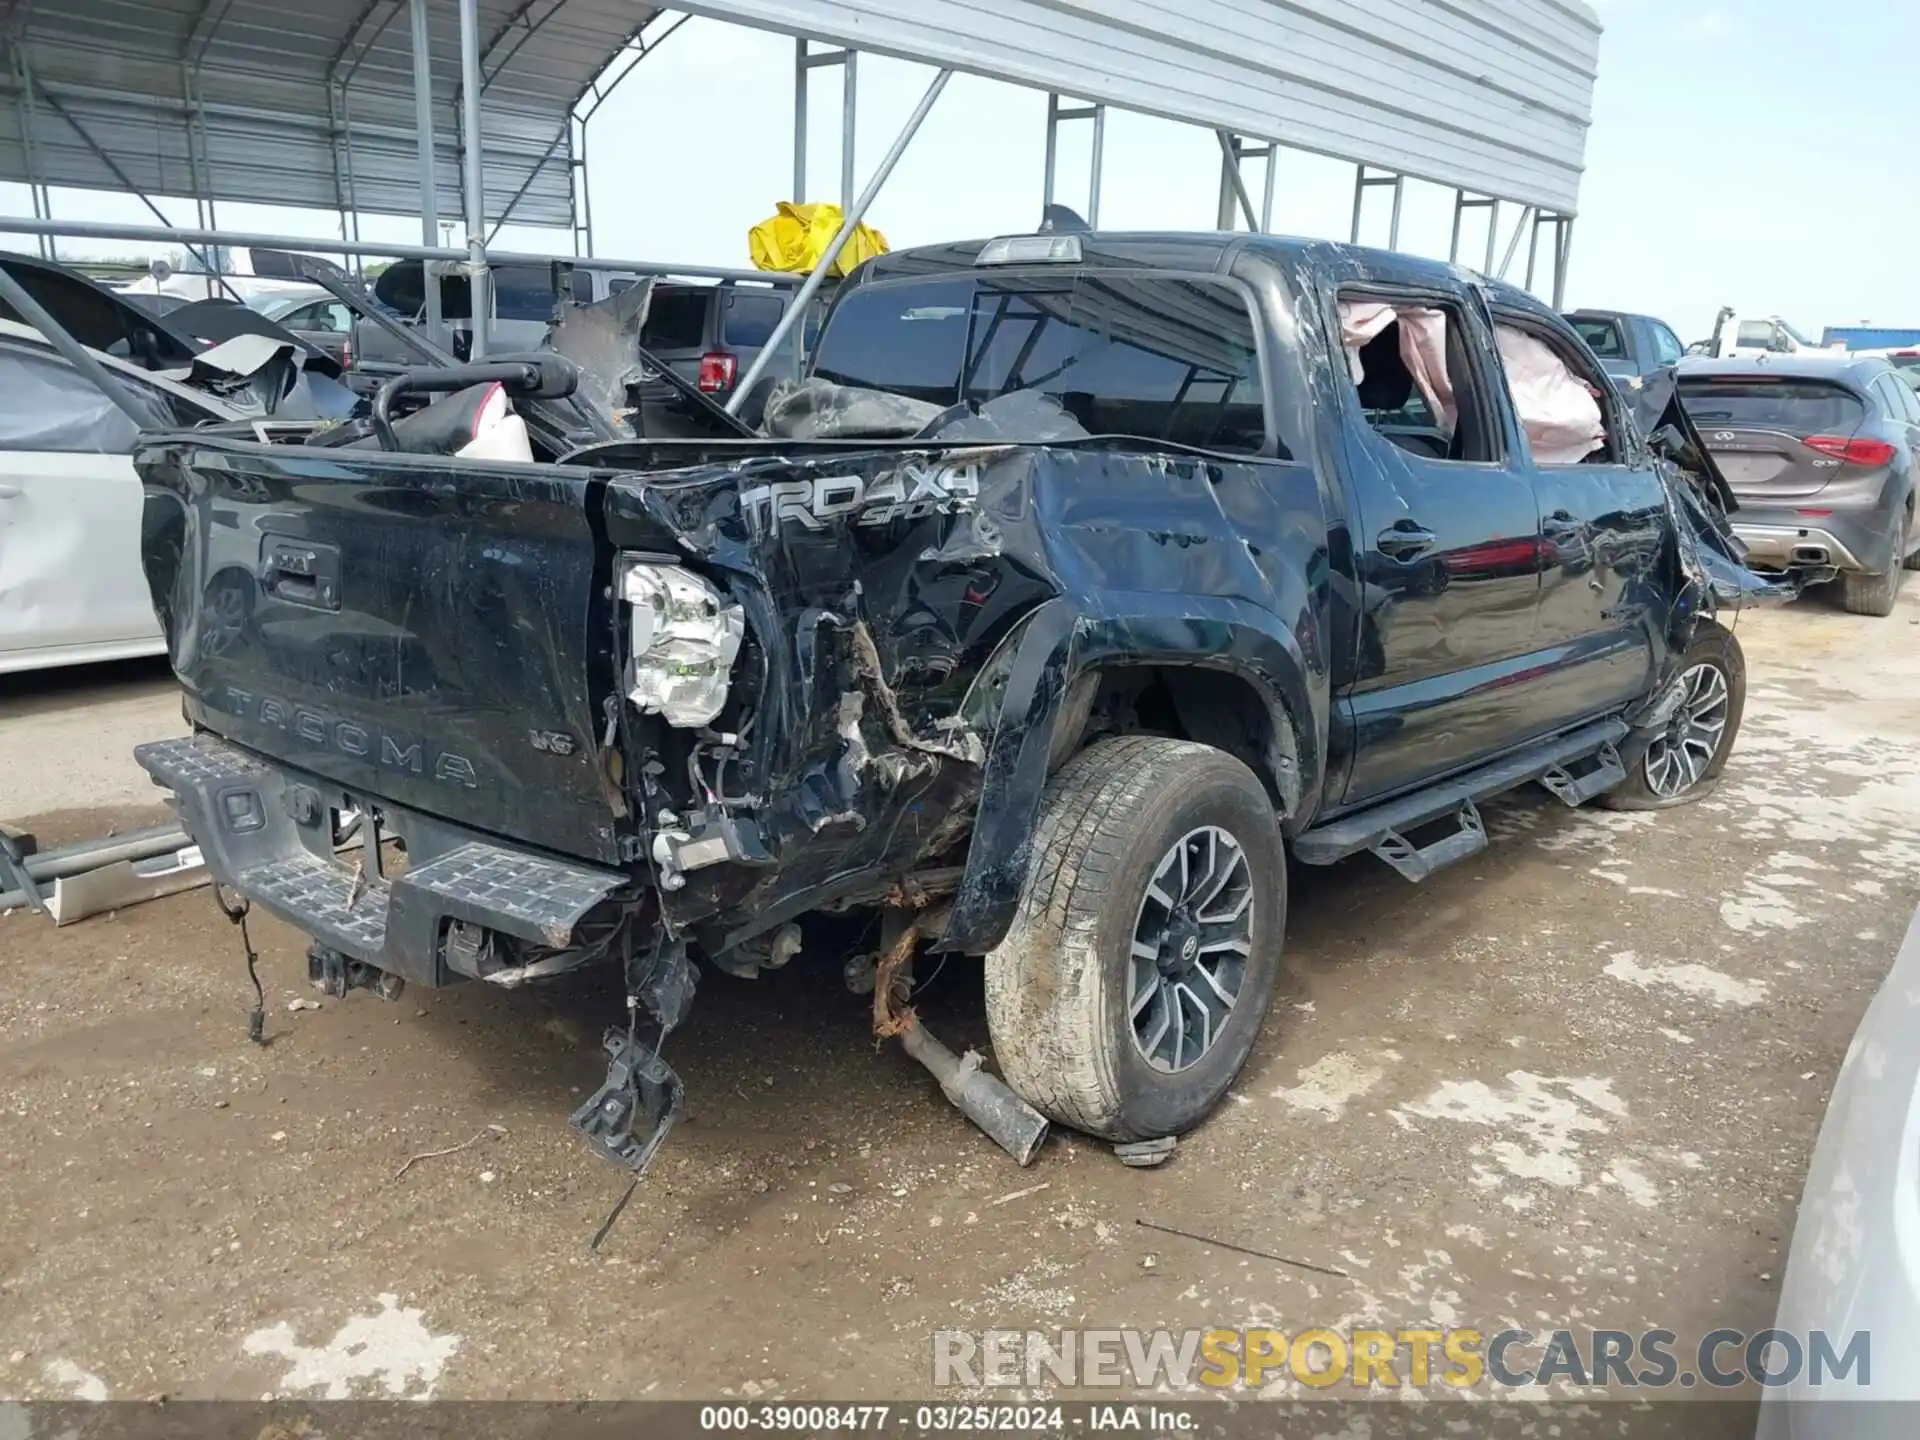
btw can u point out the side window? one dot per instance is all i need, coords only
(522, 292)
(1557, 399)
(1893, 402)
(1755, 335)
(620, 286)
(328, 315)
(1667, 348)
(1602, 337)
(46, 405)
(583, 287)
(1907, 398)
(750, 318)
(1411, 370)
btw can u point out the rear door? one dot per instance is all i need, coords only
(1447, 545)
(1774, 437)
(1603, 516)
(70, 578)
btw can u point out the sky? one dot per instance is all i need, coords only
(1758, 153)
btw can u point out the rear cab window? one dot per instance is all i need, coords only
(1602, 337)
(677, 318)
(1793, 406)
(1151, 356)
(1667, 348)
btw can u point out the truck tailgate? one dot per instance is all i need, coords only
(413, 628)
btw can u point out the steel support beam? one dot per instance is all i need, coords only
(1562, 242)
(1513, 245)
(1462, 203)
(1233, 185)
(424, 142)
(854, 215)
(1363, 182)
(479, 278)
(803, 62)
(1056, 112)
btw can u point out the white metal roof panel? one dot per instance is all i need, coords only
(1491, 95)
(256, 100)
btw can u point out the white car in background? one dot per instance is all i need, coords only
(72, 589)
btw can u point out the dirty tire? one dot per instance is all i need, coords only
(1716, 645)
(1864, 594)
(1058, 985)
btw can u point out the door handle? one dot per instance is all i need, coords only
(1405, 540)
(1562, 522)
(9, 492)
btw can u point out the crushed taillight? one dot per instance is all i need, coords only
(716, 371)
(346, 353)
(1851, 448)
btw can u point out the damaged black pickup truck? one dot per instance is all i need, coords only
(1083, 578)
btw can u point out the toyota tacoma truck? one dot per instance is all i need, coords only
(1082, 579)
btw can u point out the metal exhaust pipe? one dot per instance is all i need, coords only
(1810, 555)
(1015, 1126)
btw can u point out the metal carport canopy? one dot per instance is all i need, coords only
(312, 104)
(304, 104)
(1491, 96)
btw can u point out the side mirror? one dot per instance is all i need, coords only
(1669, 443)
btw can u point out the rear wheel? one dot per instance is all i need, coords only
(1681, 761)
(1133, 983)
(1909, 538)
(1864, 594)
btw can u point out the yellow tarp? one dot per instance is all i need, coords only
(796, 238)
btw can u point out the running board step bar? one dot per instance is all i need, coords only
(1576, 789)
(1417, 862)
(1390, 822)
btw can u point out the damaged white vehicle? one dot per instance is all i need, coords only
(71, 587)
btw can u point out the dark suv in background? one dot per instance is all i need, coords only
(711, 335)
(1819, 449)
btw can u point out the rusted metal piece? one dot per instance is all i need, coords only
(887, 1021)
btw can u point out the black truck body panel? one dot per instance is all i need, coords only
(425, 630)
(443, 639)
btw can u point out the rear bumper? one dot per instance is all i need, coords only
(1797, 547)
(267, 833)
(1858, 538)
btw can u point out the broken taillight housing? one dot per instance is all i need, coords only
(683, 636)
(717, 369)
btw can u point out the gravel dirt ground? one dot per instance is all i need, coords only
(1574, 1081)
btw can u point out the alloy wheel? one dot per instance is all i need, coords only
(1192, 935)
(1680, 754)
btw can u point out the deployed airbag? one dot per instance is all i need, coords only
(1557, 409)
(1423, 348)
